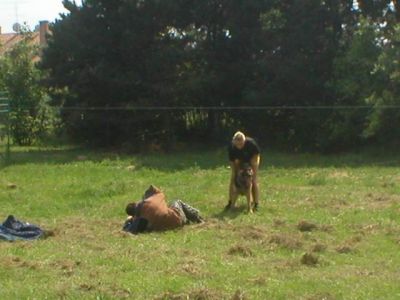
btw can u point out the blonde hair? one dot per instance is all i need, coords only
(239, 136)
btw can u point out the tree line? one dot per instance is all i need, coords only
(308, 75)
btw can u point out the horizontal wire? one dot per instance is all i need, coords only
(321, 107)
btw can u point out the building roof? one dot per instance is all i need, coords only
(9, 40)
(37, 38)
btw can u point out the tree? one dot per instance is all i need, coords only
(29, 115)
(119, 55)
(384, 121)
(116, 55)
(352, 84)
(294, 62)
(221, 59)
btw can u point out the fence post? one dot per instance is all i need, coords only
(5, 109)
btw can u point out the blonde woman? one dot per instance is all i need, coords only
(243, 149)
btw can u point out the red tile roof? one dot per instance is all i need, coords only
(9, 40)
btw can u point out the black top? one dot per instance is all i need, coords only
(245, 154)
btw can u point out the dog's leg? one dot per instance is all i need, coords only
(233, 199)
(232, 193)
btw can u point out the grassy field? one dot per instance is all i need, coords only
(328, 228)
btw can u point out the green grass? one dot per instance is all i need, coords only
(353, 200)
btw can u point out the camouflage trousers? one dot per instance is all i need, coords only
(187, 212)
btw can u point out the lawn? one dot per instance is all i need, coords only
(328, 227)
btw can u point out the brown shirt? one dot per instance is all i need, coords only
(156, 211)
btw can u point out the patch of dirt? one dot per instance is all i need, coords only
(380, 200)
(116, 292)
(17, 262)
(344, 249)
(11, 186)
(321, 296)
(326, 228)
(62, 290)
(258, 281)
(279, 223)
(67, 267)
(364, 273)
(341, 202)
(309, 259)
(339, 174)
(304, 225)
(355, 239)
(369, 229)
(241, 251)
(371, 201)
(318, 247)
(388, 184)
(286, 265)
(286, 241)
(193, 267)
(253, 233)
(86, 287)
(239, 295)
(202, 294)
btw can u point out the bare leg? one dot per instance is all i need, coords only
(232, 195)
(232, 188)
(255, 193)
(255, 162)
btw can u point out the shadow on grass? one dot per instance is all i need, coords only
(231, 213)
(43, 156)
(169, 162)
(202, 159)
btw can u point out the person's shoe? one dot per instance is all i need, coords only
(200, 220)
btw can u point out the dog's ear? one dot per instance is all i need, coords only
(151, 191)
(154, 189)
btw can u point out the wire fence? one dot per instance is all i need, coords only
(226, 108)
(4, 128)
(143, 125)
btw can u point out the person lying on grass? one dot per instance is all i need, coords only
(153, 213)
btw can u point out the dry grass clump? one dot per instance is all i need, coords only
(344, 249)
(318, 247)
(309, 259)
(201, 294)
(286, 241)
(241, 251)
(304, 225)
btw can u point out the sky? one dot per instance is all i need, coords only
(29, 12)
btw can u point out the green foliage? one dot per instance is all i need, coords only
(352, 83)
(30, 116)
(128, 54)
(384, 122)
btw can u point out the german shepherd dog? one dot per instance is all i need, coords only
(244, 186)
